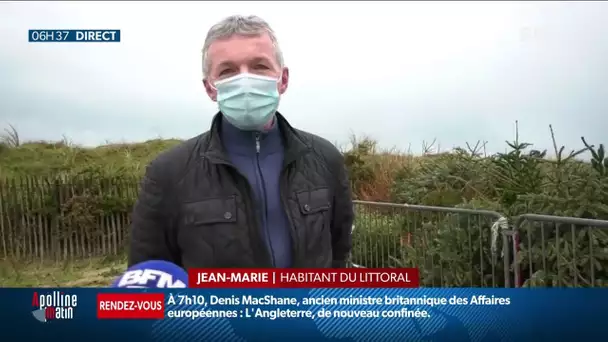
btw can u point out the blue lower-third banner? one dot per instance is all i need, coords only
(304, 315)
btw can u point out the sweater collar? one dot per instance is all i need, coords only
(237, 141)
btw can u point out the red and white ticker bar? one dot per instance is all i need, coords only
(130, 305)
(304, 278)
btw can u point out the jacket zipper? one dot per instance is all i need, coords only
(251, 208)
(295, 248)
(264, 198)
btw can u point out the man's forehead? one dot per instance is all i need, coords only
(240, 47)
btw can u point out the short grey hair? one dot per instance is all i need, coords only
(239, 25)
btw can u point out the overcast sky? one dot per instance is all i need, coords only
(400, 72)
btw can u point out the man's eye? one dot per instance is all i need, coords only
(261, 67)
(226, 72)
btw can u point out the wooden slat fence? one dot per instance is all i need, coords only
(65, 218)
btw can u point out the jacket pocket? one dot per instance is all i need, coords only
(313, 201)
(314, 206)
(209, 235)
(210, 211)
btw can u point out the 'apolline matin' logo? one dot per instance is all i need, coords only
(55, 305)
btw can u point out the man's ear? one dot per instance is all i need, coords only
(284, 81)
(211, 91)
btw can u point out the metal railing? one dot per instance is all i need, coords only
(456, 247)
(556, 251)
(450, 246)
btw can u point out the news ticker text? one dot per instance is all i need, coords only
(79, 36)
(272, 307)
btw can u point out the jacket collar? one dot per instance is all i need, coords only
(294, 144)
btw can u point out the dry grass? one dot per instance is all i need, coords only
(385, 165)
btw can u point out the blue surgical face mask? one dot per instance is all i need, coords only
(248, 101)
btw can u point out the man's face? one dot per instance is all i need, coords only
(239, 54)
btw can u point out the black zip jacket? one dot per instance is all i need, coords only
(195, 210)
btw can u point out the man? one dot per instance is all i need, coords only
(252, 191)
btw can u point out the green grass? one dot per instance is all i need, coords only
(94, 272)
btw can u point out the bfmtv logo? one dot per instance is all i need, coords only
(149, 279)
